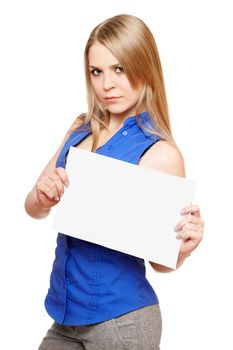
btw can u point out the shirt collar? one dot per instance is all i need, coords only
(142, 117)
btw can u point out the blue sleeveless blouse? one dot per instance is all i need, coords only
(90, 283)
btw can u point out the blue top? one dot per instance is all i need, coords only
(90, 283)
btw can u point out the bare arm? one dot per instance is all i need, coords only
(49, 186)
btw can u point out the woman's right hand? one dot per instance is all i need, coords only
(50, 187)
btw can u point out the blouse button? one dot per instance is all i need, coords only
(125, 133)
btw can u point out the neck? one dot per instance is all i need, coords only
(117, 120)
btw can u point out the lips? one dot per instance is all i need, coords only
(111, 99)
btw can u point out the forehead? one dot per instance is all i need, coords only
(100, 56)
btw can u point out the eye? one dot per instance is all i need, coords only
(119, 69)
(95, 72)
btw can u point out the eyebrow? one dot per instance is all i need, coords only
(112, 66)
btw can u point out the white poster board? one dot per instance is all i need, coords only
(123, 206)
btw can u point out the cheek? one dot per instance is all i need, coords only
(96, 85)
(124, 84)
(137, 92)
(134, 95)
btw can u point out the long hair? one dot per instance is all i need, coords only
(130, 40)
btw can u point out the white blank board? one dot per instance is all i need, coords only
(123, 206)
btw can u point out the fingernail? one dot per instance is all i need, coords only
(182, 211)
(57, 198)
(176, 228)
(67, 184)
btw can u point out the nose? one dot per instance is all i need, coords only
(108, 81)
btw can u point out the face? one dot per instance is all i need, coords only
(110, 82)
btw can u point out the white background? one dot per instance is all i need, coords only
(42, 91)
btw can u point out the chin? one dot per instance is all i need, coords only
(118, 110)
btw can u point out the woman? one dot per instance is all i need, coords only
(100, 298)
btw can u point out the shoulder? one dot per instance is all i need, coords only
(164, 157)
(78, 122)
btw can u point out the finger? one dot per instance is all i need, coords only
(187, 232)
(188, 218)
(57, 182)
(50, 182)
(45, 189)
(192, 208)
(184, 235)
(192, 233)
(63, 175)
(191, 227)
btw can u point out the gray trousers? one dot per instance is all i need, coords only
(137, 330)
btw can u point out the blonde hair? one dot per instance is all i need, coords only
(130, 40)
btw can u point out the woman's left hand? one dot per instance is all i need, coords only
(190, 229)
